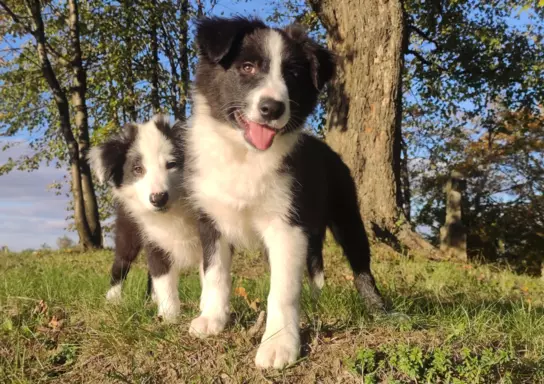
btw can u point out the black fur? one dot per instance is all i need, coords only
(324, 193)
(226, 44)
(118, 162)
(325, 196)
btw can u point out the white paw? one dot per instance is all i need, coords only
(278, 351)
(207, 326)
(169, 312)
(114, 294)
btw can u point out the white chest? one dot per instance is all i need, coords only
(240, 188)
(176, 232)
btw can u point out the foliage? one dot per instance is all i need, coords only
(64, 242)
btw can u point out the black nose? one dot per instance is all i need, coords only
(271, 109)
(159, 200)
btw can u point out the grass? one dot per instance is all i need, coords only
(452, 323)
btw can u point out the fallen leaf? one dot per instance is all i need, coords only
(255, 304)
(241, 292)
(40, 308)
(55, 323)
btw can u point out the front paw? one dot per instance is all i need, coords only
(277, 351)
(169, 312)
(204, 326)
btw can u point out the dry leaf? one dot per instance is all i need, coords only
(255, 304)
(40, 308)
(55, 323)
(241, 292)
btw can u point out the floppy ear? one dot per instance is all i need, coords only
(322, 61)
(107, 159)
(215, 36)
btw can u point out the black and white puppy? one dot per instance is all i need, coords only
(256, 178)
(145, 167)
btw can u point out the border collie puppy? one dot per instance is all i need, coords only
(256, 178)
(145, 167)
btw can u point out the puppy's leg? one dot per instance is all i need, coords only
(287, 247)
(314, 262)
(216, 282)
(127, 246)
(165, 279)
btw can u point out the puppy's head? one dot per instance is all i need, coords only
(143, 164)
(262, 81)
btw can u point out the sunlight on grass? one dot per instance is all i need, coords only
(471, 323)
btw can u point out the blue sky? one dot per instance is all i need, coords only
(30, 214)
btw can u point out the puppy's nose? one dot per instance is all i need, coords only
(159, 200)
(271, 109)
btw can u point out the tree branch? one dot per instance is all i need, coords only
(425, 61)
(17, 20)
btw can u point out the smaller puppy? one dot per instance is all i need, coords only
(144, 165)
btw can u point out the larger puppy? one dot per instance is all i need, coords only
(255, 177)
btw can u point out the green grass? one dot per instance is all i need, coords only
(451, 323)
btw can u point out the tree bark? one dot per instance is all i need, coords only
(79, 91)
(82, 226)
(130, 78)
(453, 235)
(155, 101)
(365, 108)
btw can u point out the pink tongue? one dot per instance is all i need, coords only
(259, 135)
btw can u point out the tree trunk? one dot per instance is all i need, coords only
(130, 79)
(82, 226)
(184, 57)
(79, 91)
(364, 111)
(155, 101)
(453, 235)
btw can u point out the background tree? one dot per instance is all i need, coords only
(63, 75)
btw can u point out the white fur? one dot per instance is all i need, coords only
(114, 293)
(287, 247)
(214, 301)
(273, 85)
(166, 294)
(249, 202)
(155, 151)
(95, 161)
(175, 230)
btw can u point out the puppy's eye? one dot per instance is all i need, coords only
(138, 170)
(249, 68)
(170, 164)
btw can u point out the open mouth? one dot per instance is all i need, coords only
(260, 136)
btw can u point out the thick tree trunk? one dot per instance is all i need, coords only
(82, 226)
(82, 124)
(364, 117)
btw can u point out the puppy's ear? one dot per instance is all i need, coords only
(216, 36)
(322, 61)
(107, 159)
(162, 122)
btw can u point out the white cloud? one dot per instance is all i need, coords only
(30, 214)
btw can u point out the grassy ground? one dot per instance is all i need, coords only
(454, 323)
